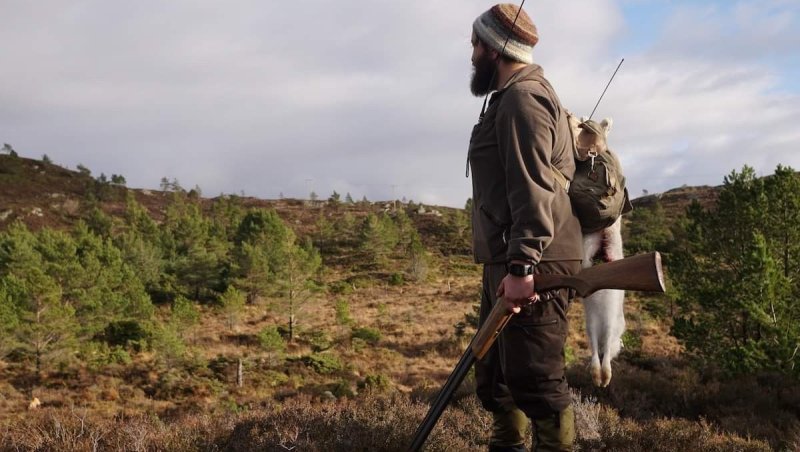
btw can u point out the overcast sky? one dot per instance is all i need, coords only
(371, 97)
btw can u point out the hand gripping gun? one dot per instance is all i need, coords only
(641, 273)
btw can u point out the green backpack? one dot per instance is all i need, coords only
(597, 190)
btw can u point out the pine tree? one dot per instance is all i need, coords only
(232, 302)
(272, 342)
(294, 277)
(734, 284)
(84, 170)
(9, 322)
(251, 270)
(648, 230)
(335, 199)
(378, 236)
(195, 257)
(47, 324)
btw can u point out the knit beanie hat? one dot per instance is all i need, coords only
(493, 26)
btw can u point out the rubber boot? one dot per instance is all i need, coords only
(555, 433)
(508, 431)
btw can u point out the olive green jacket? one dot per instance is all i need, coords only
(520, 211)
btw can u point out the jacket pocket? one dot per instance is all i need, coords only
(493, 219)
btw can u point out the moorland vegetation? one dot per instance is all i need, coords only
(165, 320)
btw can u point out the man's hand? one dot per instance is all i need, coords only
(517, 291)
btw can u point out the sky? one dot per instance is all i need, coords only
(371, 97)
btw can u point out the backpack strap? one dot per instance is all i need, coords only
(560, 177)
(562, 180)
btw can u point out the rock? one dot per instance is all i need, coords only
(5, 214)
(328, 396)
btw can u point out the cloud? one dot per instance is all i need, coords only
(701, 101)
(372, 98)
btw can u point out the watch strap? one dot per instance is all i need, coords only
(520, 269)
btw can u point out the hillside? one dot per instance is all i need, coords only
(376, 337)
(43, 194)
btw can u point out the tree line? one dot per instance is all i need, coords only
(91, 292)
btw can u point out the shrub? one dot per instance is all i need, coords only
(342, 388)
(320, 341)
(97, 355)
(396, 279)
(569, 355)
(341, 288)
(632, 341)
(343, 312)
(322, 363)
(125, 333)
(274, 378)
(272, 342)
(376, 382)
(368, 335)
(358, 344)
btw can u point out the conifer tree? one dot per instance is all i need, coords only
(47, 323)
(232, 302)
(335, 199)
(378, 237)
(295, 277)
(648, 230)
(9, 322)
(734, 284)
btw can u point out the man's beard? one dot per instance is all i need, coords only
(483, 73)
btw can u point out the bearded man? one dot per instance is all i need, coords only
(523, 225)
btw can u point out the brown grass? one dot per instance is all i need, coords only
(374, 422)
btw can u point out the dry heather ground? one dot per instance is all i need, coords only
(373, 423)
(656, 401)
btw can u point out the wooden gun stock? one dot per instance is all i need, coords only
(642, 273)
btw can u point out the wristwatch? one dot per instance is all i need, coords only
(520, 269)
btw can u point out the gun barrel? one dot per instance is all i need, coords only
(442, 399)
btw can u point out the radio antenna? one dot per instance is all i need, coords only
(607, 85)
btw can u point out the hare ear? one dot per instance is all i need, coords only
(606, 123)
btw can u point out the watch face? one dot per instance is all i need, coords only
(520, 269)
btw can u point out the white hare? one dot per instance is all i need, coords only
(605, 320)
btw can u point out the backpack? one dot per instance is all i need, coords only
(597, 190)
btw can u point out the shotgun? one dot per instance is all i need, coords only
(642, 273)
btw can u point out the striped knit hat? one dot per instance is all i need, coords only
(493, 26)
